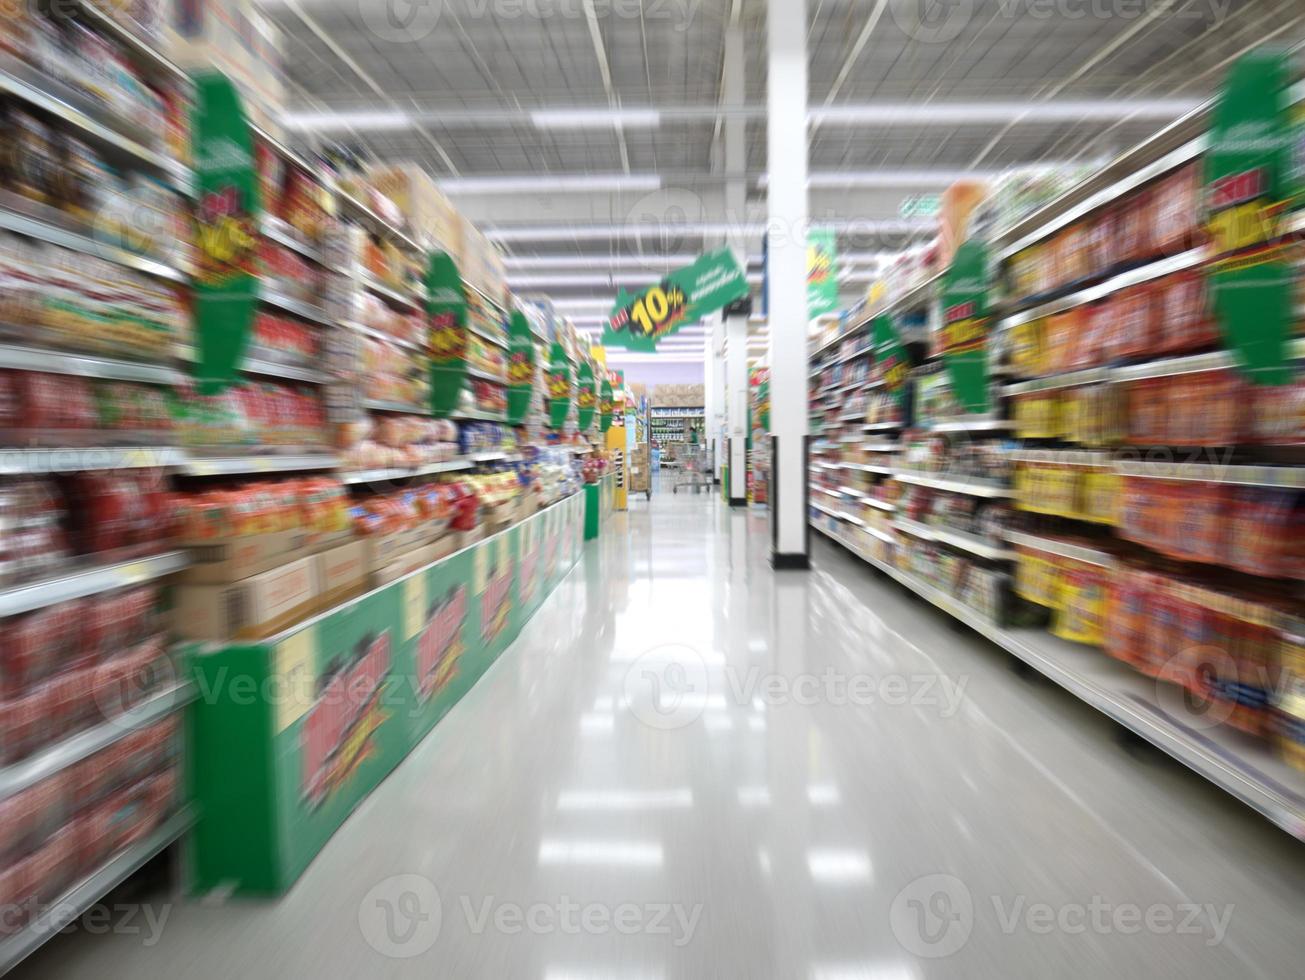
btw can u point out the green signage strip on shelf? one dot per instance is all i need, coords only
(586, 396)
(894, 366)
(559, 386)
(446, 306)
(1247, 189)
(606, 405)
(822, 272)
(226, 233)
(965, 325)
(711, 283)
(347, 696)
(521, 368)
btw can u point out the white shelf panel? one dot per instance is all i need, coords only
(1243, 766)
(956, 539)
(87, 366)
(869, 468)
(968, 487)
(1064, 549)
(359, 477)
(31, 227)
(269, 295)
(199, 466)
(91, 580)
(14, 462)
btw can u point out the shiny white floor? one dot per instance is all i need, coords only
(690, 767)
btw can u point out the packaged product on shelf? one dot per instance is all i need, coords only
(1289, 706)
(252, 414)
(76, 664)
(1080, 603)
(289, 273)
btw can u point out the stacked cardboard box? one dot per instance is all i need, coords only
(679, 396)
(482, 264)
(432, 216)
(253, 586)
(236, 38)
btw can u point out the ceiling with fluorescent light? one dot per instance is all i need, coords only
(515, 100)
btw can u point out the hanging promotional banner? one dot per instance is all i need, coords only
(606, 406)
(521, 368)
(559, 387)
(683, 297)
(965, 325)
(226, 233)
(446, 338)
(890, 356)
(759, 381)
(586, 396)
(822, 272)
(1247, 187)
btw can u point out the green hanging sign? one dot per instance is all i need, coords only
(822, 272)
(446, 337)
(965, 325)
(890, 355)
(1247, 187)
(586, 396)
(606, 405)
(226, 232)
(559, 387)
(521, 368)
(711, 283)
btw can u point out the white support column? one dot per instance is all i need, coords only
(736, 383)
(786, 144)
(736, 327)
(714, 383)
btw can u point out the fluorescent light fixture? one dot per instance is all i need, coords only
(836, 867)
(671, 799)
(551, 183)
(998, 113)
(626, 854)
(621, 230)
(372, 120)
(615, 354)
(823, 794)
(597, 724)
(595, 118)
(545, 280)
(589, 261)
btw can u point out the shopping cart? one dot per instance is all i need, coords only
(694, 471)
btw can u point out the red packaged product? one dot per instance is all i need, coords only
(1101, 244)
(53, 866)
(1147, 410)
(37, 644)
(1132, 237)
(1185, 322)
(1134, 310)
(1278, 418)
(15, 897)
(30, 816)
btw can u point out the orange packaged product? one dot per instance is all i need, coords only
(1163, 642)
(1127, 602)
(1201, 520)
(1132, 242)
(1099, 243)
(1095, 331)
(1176, 205)
(1135, 326)
(1147, 409)
(1224, 402)
(1185, 322)
(1278, 417)
(1060, 340)
(1074, 254)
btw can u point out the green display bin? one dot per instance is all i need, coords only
(290, 734)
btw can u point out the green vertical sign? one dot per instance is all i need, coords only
(559, 386)
(890, 355)
(822, 271)
(521, 368)
(446, 337)
(586, 396)
(1247, 188)
(606, 405)
(965, 325)
(226, 232)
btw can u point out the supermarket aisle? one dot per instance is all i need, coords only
(689, 767)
